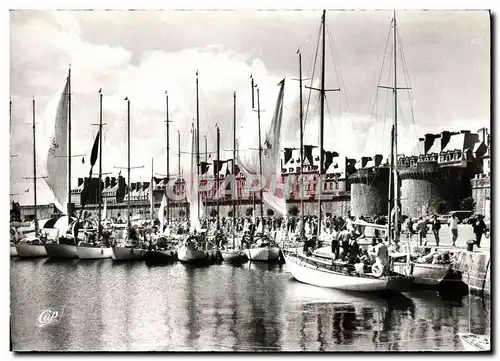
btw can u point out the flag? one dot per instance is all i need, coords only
(95, 150)
(83, 160)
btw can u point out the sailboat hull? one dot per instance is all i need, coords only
(475, 343)
(320, 277)
(25, 250)
(13, 251)
(94, 252)
(127, 254)
(188, 255)
(61, 251)
(263, 254)
(233, 256)
(424, 274)
(160, 257)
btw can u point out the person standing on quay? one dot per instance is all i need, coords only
(422, 231)
(436, 226)
(479, 229)
(453, 223)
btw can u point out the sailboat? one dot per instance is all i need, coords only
(473, 341)
(32, 246)
(194, 248)
(59, 173)
(233, 254)
(98, 250)
(327, 273)
(264, 249)
(129, 247)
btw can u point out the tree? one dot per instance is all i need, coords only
(467, 204)
(293, 211)
(270, 212)
(249, 211)
(213, 212)
(439, 207)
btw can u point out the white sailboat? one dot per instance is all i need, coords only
(58, 172)
(250, 165)
(322, 272)
(98, 250)
(128, 248)
(32, 246)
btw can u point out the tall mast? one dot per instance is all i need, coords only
(151, 194)
(179, 162)
(301, 116)
(34, 168)
(68, 206)
(217, 173)
(99, 196)
(205, 203)
(168, 158)
(234, 167)
(197, 143)
(321, 123)
(391, 195)
(128, 166)
(260, 157)
(395, 159)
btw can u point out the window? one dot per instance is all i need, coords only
(291, 170)
(291, 161)
(336, 185)
(315, 167)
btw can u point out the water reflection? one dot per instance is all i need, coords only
(253, 307)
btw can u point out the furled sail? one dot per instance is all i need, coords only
(192, 187)
(248, 161)
(161, 212)
(57, 161)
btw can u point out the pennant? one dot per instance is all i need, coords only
(95, 150)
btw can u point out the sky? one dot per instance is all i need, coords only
(142, 54)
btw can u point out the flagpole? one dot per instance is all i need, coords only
(68, 206)
(34, 168)
(100, 168)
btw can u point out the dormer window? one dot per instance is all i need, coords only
(292, 161)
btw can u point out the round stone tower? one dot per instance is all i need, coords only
(369, 191)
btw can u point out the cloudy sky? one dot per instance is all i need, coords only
(141, 54)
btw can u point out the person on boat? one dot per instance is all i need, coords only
(335, 242)
(479, 228)
(436, 226)
(422, 231)
(344, 237)
(453, 223)
(353, 250)
(381, 253)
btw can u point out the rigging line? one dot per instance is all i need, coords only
(375, 103)
(314, 63)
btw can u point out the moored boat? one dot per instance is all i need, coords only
(233, 255)
(31, 247)
(266, 253)
(318, 272)
(474, 342)
(190, 252)
(13, 250)
(61, 251)
(90, 251)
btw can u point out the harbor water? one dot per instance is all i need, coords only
(107, 306)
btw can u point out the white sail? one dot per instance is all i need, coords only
(248, 161)
(192, 187)
(105, 209)
(57, 161)
(161, 212)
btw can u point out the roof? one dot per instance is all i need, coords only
(456, 142)
(435, 147)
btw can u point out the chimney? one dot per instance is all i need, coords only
(106, 182)
(429, 141)
(482, 135)
(378, 159)
(421, 146)
(465, 131)
(308, 153)
(113, 182)
(288, 154)
(445, 139)
(138, 186)
(80, 182)
(132, 187)
(365, 160)
(145, 185)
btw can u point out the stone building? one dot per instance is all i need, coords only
(481, 183)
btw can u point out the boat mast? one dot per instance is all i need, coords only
(234, 167)
(197, 144)
(206, 162)
(99, 196)
(301, 116)
(168, 158)
(391, 195)
(260, 160)
(34, 168)
(151, 194)
(128, 166)
(68, 205)
(321, 122)
(179, 164)
(395, 153)
(217, 173)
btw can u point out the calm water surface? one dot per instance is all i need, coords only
(255, 307)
